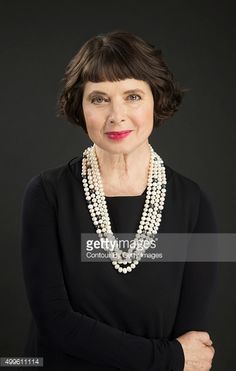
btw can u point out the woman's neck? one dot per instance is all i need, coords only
(124, 173)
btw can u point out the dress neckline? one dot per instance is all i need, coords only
(124, 196)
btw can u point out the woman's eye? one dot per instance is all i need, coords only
(95, 99)
(135, 95)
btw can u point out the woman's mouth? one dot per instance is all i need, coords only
(117, 135)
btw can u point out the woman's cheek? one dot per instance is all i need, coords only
(96, 116)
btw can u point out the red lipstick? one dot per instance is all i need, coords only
(117, 135)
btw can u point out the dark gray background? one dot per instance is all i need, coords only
(37, 41)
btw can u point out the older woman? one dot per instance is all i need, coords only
(124, 314)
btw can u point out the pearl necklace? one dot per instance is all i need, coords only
(151, 216)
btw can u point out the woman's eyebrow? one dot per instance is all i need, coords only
(125, 92)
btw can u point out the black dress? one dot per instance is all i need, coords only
(87, 316)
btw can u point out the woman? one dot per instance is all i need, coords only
(123, 314)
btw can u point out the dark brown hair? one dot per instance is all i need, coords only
(114, 56)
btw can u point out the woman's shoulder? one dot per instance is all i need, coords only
(188, 191)
(55, 174)
(49, 181)
(181, 182)
(188, 194)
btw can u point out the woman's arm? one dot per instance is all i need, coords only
(199, 281)
(61, 327)
(200, 278)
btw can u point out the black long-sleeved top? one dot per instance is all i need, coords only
(87, 316)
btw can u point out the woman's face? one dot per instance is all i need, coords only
(118, 106)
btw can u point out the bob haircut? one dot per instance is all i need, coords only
(115, 56)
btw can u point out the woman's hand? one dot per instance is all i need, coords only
(198, 350)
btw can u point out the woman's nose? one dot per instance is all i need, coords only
(117, 113)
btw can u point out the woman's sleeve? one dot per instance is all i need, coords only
(60, 326)
(200, 277)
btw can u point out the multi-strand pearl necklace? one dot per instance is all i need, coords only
(122, 261)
